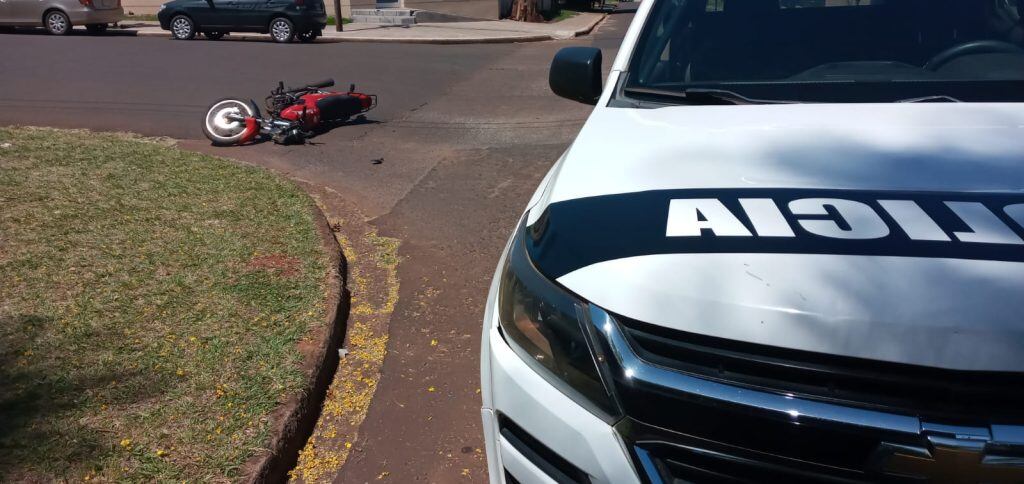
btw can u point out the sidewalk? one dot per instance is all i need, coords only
(481, 32)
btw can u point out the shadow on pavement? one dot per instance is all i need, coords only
(75, 32)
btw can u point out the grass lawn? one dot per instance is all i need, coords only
(562, 14)
(151, 301)
(333, 21)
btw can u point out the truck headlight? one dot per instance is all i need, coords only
(549, 328)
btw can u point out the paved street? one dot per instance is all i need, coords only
(465, 133)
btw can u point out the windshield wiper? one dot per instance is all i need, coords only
(938, 98)
(700, 95)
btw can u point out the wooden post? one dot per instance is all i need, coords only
(337, 16)
(525, 11)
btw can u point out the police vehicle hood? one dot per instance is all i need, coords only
(890, 232)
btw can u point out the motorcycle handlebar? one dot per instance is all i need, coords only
(323, 83)
(308, 87)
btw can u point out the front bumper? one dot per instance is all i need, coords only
(164, 17)
(682, 428)
(517, 393)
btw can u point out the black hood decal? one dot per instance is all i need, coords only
(573, 234)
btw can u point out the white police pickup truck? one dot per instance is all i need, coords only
(787, 246)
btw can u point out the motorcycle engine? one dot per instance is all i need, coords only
(290, 136)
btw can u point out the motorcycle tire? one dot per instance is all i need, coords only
(308, 37)
(220, 130)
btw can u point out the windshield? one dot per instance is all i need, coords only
(740, 51)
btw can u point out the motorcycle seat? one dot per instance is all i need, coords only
(339, 107)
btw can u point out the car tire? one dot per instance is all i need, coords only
(282, 30)
(214, 35)
(96, 29)
(57, 22)
(307, 37)
(183, 28)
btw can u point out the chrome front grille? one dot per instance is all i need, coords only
(689, 421)
(921, 391)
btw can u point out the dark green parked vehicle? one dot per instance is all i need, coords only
(282, 19)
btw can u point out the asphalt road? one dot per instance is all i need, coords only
(465, 131)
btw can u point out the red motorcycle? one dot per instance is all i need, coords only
(295, 114)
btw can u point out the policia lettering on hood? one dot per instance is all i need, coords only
(575, 233)
(844, 219)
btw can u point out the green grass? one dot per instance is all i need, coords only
(561, 15)
(151, 301)
(333, 21)
(139, 17)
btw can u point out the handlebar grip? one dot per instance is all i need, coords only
(323, 83)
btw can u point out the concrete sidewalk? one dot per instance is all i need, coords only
(481, 32)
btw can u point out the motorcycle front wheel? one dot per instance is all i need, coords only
(218, 126)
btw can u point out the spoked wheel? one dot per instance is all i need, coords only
(307, 37)
(218, 125)
(214, 35)
(57, 23)
(282, 30)
(182, 28)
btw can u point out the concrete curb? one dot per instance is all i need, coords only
(586, 29)
(440, 40)
(293, 421)
(493, 39)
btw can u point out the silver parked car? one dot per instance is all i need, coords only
(59, 16)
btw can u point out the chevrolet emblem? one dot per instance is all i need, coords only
(953, 454)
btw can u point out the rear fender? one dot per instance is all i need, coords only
(51, 8)
(368, 101)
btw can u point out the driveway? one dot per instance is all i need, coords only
(465, 133)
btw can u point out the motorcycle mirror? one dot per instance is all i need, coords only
(351, 88)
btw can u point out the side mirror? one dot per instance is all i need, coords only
(576, 74)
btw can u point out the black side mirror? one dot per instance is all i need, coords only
(576, 74)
